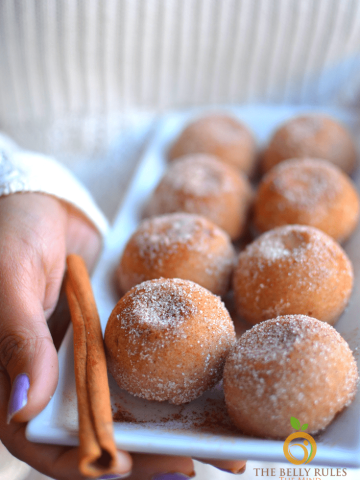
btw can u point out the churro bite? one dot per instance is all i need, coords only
(203, 185)
(220, 135)
(289, 366)
(307, 192)
(315, 136)
(293, 269)
(168, 339)
(178, 245)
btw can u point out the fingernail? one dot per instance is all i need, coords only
(171, 476)
(18, 395)
(234, 472)
(113, 476)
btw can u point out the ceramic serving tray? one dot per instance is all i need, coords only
(202, 427)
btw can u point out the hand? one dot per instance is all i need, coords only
(36, 233)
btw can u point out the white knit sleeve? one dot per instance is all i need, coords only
(25, 171)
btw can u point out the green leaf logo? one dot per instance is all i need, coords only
(304, 427)
(295, 423)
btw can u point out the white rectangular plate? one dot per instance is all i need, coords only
(201, 428)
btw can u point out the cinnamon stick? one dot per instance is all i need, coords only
(98, 454)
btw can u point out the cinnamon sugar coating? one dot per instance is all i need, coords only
(307, 192)
(178, 245)
(293, 269)
(168, 339)
(315, 136)
(220, 135)
(289, 366)
(203, 185)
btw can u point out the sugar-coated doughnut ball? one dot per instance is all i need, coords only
(289, 366)
(292, 270)
(203, 185)
(307, 192)
(168, 339)
(178, 245)
(220, 135)
(315, 136)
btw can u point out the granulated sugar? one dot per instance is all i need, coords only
(161, 237)
(198, 176)
(292, 269)
(288, 365)
(178, 245)
(159, 305)
(293, 244)
(207, 414)
(307, 183)
(167, 339)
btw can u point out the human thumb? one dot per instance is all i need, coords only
(27, 351)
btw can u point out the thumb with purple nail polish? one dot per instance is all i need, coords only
(18, 395)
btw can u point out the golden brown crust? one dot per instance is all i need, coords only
(178, 245)
(307, 192)
(292, 270)
(168, 339)
(203, 185)
(315, 136)
(290, 366)
(220, 135)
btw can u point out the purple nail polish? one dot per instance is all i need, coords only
(18, 396)
(170, 476)
(113, 476)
